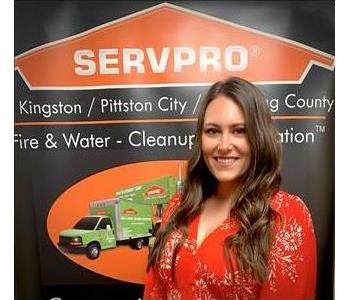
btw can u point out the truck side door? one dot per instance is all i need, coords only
(106, 233)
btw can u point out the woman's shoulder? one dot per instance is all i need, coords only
(281, 200)
(289, 206)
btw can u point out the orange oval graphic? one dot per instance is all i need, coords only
(119, 262)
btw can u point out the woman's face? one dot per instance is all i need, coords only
(225, 146)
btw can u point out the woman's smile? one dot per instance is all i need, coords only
(225, 161)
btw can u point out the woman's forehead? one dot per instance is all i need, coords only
(223, 109)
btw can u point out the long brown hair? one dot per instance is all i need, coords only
(251, 206)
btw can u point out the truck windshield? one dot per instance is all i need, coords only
(88, 223)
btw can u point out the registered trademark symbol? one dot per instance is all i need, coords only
(255, 50)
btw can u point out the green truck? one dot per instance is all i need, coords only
(132, 217)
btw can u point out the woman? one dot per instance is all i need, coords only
(234, 234)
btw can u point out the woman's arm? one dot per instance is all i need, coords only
(293, 259)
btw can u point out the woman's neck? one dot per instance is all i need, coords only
(223, 195)
(225, 191)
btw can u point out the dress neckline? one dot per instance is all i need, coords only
(229, 223)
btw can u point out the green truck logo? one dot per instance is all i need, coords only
(132, 216)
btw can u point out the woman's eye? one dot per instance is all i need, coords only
(211, 131)
(239, 131)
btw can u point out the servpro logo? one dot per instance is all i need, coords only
(155, 190)
(130, 212)
(114, 61)
(145, 49)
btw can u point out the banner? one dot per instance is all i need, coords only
(107, 95)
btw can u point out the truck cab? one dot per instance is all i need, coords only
(89, 235)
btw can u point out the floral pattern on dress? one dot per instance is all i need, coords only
(165, 266)
(283, 202)
(167, 255)
(233, 285)
(284, 257)
(229, 224)
(289, 237)
(285, 264)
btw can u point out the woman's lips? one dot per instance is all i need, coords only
(225, 161)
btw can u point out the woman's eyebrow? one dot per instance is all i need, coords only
(231, 125)
(238, 124)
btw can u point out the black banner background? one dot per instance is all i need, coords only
(41, 272)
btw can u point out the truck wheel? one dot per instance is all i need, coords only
(93, 251)
(137, 244)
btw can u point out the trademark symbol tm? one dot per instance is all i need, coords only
(320, 128)
(255, 50)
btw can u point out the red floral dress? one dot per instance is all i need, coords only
(201, 272)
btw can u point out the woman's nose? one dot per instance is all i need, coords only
(225, 143)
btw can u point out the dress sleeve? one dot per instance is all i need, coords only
(171, 207)
(293, 258)
(154, 287)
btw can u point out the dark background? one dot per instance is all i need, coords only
(41, 272)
